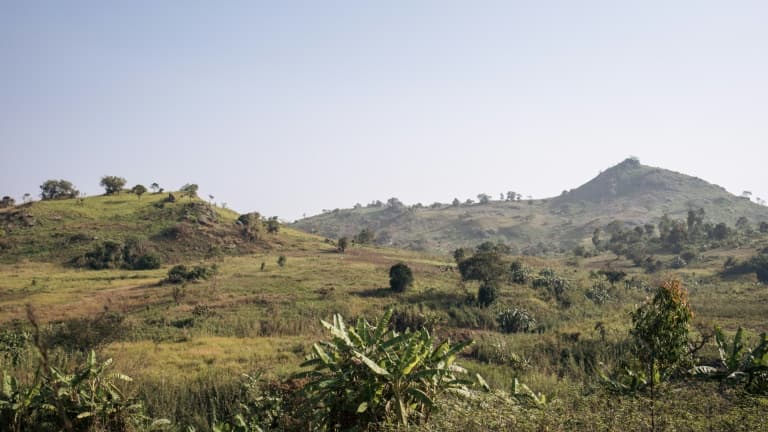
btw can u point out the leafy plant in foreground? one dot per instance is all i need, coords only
(85, 399)
(366, 374)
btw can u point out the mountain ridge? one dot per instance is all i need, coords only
(629, 191)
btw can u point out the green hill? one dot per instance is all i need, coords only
(629, 191)
(60, 230)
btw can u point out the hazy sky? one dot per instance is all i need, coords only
(293, 107)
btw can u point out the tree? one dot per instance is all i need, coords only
(511, 196)
(155, 187)
(395, 203)
(596, 238)
(7, 202)
(281, 260)
(660, 328)
(342, 244)
(364, 237)
(273, 225)
(483, 198)
(26, 197)
(400, 277)
(459, 255)
(112, 184)
(190, 190)
(58, 189)
(139, 190)
(456, 202)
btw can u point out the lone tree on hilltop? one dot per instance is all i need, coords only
(190, 190)
(139, 190)
(155, 187)
(483, 198)
(400, 277)
(58, 189)
(112, 184)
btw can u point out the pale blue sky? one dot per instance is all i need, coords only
(292, 107)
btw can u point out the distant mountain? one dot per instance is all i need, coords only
(629, 191)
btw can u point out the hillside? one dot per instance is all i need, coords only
(629, 191)
(60, 230)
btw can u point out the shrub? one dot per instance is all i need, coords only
(413, 318)
(519, 273)
(180, 273)
(487, 294)
(281, 260)
(366, 374)
(148, 261)
(400, 277)
(554, 285)
(516, 321)
(599, 292)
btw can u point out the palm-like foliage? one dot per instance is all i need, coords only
(58, 400)
(739, 363)
(368, 373)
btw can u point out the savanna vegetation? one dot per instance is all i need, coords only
(173, 314)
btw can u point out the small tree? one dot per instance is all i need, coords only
(660, 332)
(456, 202)
(281, 260)
(58, 189)
(342, 244)
(112, 184)
(273, 225)
(155, 187)
(364, 237)
(139, 190)
(7, 202)
(190, 190)
(483, 198)
(400, 277)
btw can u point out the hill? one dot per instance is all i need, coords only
(630, 192)
(180, 228)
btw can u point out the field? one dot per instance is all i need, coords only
(187, 346)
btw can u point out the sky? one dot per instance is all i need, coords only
(289, 108)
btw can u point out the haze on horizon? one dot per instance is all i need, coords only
(295, 107)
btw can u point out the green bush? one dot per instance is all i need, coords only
(516, 321)
(400, 277)
(487, 294)
(180, 273)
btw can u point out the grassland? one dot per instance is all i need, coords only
(186, 346)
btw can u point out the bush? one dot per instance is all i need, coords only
(180, 273)
(516, 321)
(487, 294)
(400, 277)
(281, 260)
(599, 292)
(554, 285)
(147, 262)
(413, 318)
(519, 273)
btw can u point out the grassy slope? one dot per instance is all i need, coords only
(59, 230)
(267, 320)
(630, 192)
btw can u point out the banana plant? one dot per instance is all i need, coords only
(368, 373)
(59, 400)
(739, 363)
